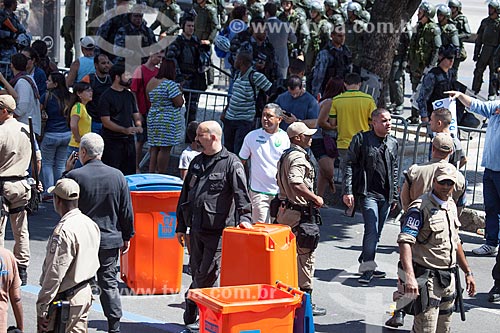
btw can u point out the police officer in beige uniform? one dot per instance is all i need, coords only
(419, 178)
(430, 249)
(71, 261)
(296, 176)
(15, 192)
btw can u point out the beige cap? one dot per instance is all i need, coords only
(298, 128)
(7, 102)
(66, 189)
(87, 42)
(443, 142)
(446, 171)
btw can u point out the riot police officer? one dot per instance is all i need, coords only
(68, 32)
(488, 39)
(171, 10)
(333, 12)
(449, 32)
(10, 29)
(364, 14)
(463, 28)
(355, 26)
(424, 46)
(297, 17)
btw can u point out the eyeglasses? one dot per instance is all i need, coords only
(448, 182)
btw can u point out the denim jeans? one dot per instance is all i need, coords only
(491, 194)
(375, 212)
(234, 133)
(54, 154)
(96, 127)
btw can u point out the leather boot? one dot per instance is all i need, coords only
(23, 274)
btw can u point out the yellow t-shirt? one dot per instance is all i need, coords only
(84, 124)
(353, 110)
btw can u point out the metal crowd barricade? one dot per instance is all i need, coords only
(472, 141)
(210, 104)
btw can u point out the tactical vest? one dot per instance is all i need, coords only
(339, 65)
(443, 82)
(422, 45)
(189, 55)
(447, 32)
(491, 33)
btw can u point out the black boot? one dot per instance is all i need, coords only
(316, 310)
(397, 320)
(23, 274)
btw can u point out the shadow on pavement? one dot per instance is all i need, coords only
(127, 327)
(327, 275)
(481, 300)
(376, 282)
(354, 326)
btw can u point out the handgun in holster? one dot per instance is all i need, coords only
(61, 309)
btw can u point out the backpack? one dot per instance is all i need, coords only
(260, 96)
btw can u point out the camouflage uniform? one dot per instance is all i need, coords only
(8, 38)
(464, 32)
(147, 39)
(320, 36)
(397, 75)
(354, 40)
(330, 63)
(173, 12)
(68, 32)
(488, 39)
(206, 26)
(297, 19)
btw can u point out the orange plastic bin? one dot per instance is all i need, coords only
(264, 254)
(256, 308)
(153, 265)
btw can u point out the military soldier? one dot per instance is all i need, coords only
(296, 176)
(449, 32)
(397, 75)
(172, 11)
(364, 14)
(424, 46)
(463, 28)
(206, 26)
(71, 261)
(488, 39)
(297, 18)
(334, 13)
(68, 32)
(108, 30)
(320, 36)
(10, 29)
(15, 193)
(430, 250)
(355, 27)
(135, 27)
(255, 8)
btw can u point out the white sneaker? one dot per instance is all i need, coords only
(485, 250)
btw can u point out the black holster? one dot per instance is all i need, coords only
(61, 310)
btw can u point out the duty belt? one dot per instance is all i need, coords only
(71, 291)
(11, 179)
(299, 208)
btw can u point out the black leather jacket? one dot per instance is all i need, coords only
(361, 162)
(210, 194)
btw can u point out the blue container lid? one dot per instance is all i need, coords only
(153, 182)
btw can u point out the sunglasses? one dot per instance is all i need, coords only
(446, 182)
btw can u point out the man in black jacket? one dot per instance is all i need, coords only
(105, 198)
(371, 175)
(214, 187)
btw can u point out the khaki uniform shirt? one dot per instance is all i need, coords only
(15, 149)
(421, 178)
(295, 169)
(72, 257)
(431, 227)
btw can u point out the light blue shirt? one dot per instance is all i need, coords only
(491, 156)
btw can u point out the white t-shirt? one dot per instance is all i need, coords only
(264, 151)
(186, 157)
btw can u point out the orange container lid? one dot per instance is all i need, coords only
(259, 228)
(254, 297)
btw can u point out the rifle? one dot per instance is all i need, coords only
(459, 301)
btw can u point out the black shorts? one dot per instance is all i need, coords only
(143, 137)
(318, 149)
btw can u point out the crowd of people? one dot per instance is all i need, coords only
(294, 107)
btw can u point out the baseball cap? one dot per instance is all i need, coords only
(66, 189)
(7, 102)
(298, 128)
(443, 142)
(446, 171)
(87, 42)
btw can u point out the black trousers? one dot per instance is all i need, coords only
(120, 154)
(205, 267)
(108, 285)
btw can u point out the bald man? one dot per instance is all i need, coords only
(215, 185)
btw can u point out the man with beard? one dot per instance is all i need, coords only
(119, 114)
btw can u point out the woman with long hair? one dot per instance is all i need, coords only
(57, 133)
(165, 122)
(80, 121)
